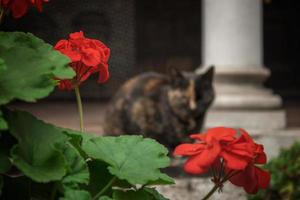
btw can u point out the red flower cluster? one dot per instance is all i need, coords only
(230, 155)
(20, 7)
(88, 56)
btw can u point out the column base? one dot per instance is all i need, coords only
(242, 101)
(247, 119)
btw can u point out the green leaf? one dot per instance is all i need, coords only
(5, 163)
(77, 171)
(105, 198)
(2, 65)
(3, 124)
(36, 154)
(76, 138)
(163, 179)
(99, 177)
(142, 194)
(155, 193)
(132, 158)
(31, 64)
(76, 195)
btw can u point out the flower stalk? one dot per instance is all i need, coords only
(79, 106)
(108, 185)
(211, 192)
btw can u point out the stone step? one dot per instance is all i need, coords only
(197, 188)
(274, 140)
(248, 119)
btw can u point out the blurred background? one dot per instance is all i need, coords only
(153, 35)
(254, 45)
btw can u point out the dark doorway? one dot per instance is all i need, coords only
(282, 46)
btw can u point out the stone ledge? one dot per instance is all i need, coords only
(247, 119)
(248, 100)
(273, 141)
(196, 188)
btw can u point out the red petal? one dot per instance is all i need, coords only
(103, 74)
(61, 44)
(39, 5)
(239, 179)
(5, 2)
(90, 57)
(209, 154)
(200, 136)
(246, 179)
(74, 56)
(241, 149)
(218, 133)
(234, 161)
(19, 8)
(261, 158)
(77, 35)
(263, 177)
(251, 179)
(189, 149)
(192, 166)
(106, 52)
(222, 133)
(65, 85)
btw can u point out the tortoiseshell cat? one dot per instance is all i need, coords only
(164, 107)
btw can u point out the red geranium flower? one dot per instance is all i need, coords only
(239, 152)
(20, 7)
(230, 155)
(87, 56)
(216, 143)
(252, 177)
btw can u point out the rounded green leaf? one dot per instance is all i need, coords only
(76, 195)
(77, 169)
(132, 158)
(28, 67)
(37, 154)
(3, 124)
(142, 194)
(105, 198)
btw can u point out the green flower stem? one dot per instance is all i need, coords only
(108, 185)
(211, 192)
(79, 105)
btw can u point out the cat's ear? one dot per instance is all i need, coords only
(174, 73)
(176, 77)
(208, 75)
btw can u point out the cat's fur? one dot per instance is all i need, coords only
(164, 107)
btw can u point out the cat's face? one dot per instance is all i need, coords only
(190, 95)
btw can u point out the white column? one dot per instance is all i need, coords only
(232, 33)
(232, 41)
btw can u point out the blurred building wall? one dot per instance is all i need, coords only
(153, 35)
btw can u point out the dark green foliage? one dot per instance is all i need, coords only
(285, 176)
(48, 158)
(28, 66)
(131, 158)
(39, 161)
(141, 194)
